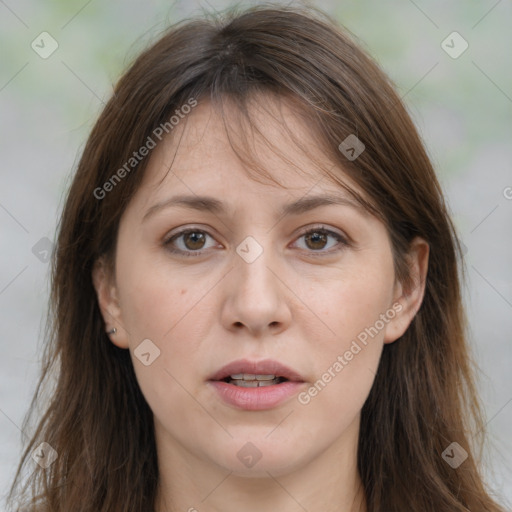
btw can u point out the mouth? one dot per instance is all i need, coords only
(256, 385)
(251, 374)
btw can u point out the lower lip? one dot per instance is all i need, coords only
(256, 399)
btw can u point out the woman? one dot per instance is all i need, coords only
(255, 297)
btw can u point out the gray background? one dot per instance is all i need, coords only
(462, 106)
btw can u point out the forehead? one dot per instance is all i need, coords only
(216, 149)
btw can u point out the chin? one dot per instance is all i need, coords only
(259, 457)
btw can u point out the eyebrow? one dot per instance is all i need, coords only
(217, 207)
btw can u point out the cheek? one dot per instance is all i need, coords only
(346, 360)
(353, 302)
(168, 307)
(162, 306)
(153, 298)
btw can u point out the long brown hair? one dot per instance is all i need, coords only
(424, 396)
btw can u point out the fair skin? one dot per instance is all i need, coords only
(300, 302)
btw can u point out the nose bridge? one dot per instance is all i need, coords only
(256, 297)
(254, 267)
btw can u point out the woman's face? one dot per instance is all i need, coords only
(310, 294)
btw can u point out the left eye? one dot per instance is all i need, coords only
(193, 241)
(317, 238)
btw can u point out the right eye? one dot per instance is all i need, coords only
(192, 242)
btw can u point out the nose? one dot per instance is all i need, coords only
(256, 297)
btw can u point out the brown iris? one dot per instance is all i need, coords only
(196, 238)
(316, 237)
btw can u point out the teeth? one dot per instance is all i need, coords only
(251, 377)
(253, 383)
(249, 380)
(247, 383)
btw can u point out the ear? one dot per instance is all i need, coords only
(107, 294)
(409, 300)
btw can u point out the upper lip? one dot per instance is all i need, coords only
(264, 367)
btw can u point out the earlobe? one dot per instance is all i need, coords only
(108, 301)
(410, 299)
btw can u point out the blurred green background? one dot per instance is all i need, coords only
(462, 106)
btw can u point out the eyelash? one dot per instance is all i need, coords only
(320, 229)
